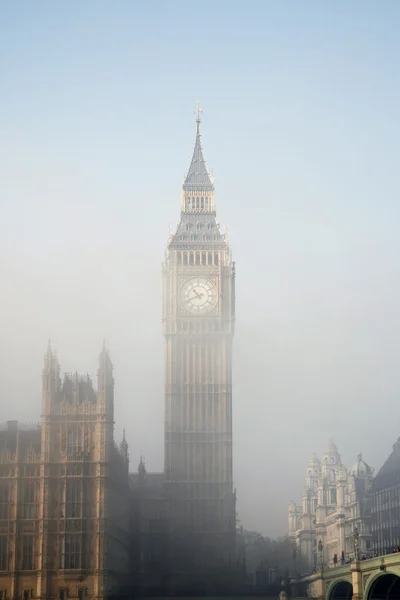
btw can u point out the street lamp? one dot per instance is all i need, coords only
(356, 536)
(321, 557)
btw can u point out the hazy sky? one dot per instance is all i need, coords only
(301, 129)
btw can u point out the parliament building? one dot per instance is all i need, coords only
(74, 522)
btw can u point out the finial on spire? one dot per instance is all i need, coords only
(198, 112)
(49, 353)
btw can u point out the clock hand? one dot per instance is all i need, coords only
(197, 295)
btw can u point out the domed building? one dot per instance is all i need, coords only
(360, 468)
(335, 501)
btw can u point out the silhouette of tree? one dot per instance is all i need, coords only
(279, 555)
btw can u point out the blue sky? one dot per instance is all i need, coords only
(301, 129)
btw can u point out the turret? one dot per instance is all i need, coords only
(341, 481)
(330, 463)
(105, 385)
(305, 504)
(51, 379)
(292, 517)
(313, 473)
(124, 447)
(142, 471)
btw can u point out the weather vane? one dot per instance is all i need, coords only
(198, 111)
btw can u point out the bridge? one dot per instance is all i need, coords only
(371, 579)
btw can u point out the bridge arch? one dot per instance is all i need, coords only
(341, 590)
(384, 586)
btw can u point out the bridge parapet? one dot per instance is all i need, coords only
(361, 575)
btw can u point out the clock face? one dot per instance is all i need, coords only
(198, 295)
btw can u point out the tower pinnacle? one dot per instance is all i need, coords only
(198, 178)
(198, 111)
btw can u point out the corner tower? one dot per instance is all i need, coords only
(198, 322)
(83, 489)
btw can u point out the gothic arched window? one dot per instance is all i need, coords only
(216, 258)
(203, 258)
(4, 500)
(73, 498)
(202, 203)
(74, 438)
(29, 497)
(185, 258)
(210, 258)
(191, 258)
(197, 258)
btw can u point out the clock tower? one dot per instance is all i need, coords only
(198, 322)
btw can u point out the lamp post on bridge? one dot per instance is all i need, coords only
(321, 555)
(356, 536)
(355, 568)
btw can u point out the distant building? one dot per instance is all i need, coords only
(336, 500)
(385, 504)
(64, 493)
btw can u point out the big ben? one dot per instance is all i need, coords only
(198, 321)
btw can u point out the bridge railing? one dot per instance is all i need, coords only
(370, 563)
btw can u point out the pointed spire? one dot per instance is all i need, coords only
(142, 467)
(104, 358)
(50, 358)
(198, 176)
(124, 446)
(331, 446)
(105, 379)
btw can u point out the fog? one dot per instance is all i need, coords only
(301, 130)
